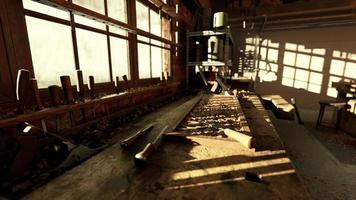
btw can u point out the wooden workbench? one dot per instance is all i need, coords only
(202, 169)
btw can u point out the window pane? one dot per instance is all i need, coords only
(166, 26)
(48, 10)
(156, 42)
(156, 58)
(117, 10)
(143, 38)
(167, 61)
(116, 30)
(89, 22)
(144, 61)
(93, 55)
(52, 51)
(142, 16)
(119, 57)
(94, 5)
(155, 23)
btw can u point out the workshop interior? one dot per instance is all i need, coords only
(178, 99)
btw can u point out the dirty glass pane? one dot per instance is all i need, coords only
(51, 50)
(144, 61)
(142, 16)
(119, 57)
(156, 58)
(155, 23)
(93, 55)
(89, 22)
(48, 10)
(117, 10)
(94, 5)
(167, 61)
(117, 30)
(166, 29)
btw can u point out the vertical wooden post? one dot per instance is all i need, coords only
(92, 86)
(36, 94)
(81, 92)
(54, 95)
(117, 85)
(67, 89)
(126, 82)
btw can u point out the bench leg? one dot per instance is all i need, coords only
(320, 116)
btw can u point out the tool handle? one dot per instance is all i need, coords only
(127, 143)
(92, 86)
(54, 95)
(142, 157)
(124, 77)
(67, 89)
(36, 94)
(117, 85)
(22, 83)
(80, 81)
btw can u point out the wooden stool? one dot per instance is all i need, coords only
(339, 106)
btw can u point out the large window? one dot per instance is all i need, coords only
(117, 9)
(52, 43)
(119, 57)
(93, 55)
(153, 56)
(51, 50)
(142, 16)
(61, 43)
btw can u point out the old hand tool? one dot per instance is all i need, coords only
(142, 157)
(22, 90)
(128, 142)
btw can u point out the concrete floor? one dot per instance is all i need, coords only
(325, 160)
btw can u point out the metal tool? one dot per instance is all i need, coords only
(142, 157)
(128, 142)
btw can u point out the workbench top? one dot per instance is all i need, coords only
(205, 168)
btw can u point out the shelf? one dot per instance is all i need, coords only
(210, 63)
(215, 32)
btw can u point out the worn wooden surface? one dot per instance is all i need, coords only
(204, 168)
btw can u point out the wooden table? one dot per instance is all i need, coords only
(203, 169)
